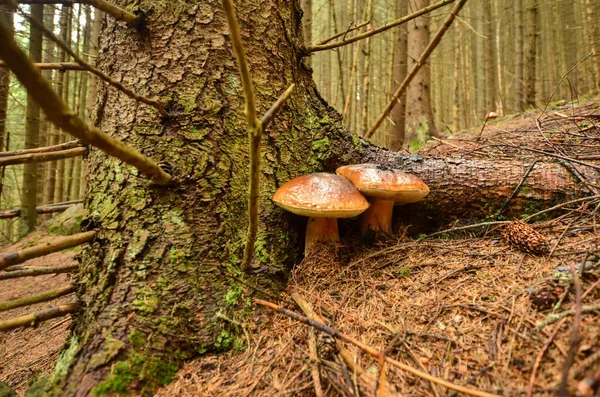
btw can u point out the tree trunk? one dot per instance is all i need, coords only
(592, 10)
(153, 284)
(530, 52)
(398, 114)
(6, 14)
(419, 115)
(32, 131)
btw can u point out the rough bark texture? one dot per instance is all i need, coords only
(152, 282)
(530, 51)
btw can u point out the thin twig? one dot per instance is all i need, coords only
(514, 193)
(380, 29)
(38, 271)
(554, 317)
(539, 357)
(60, 66)
(59, 113)
(409, 77)
(575, 340)
(272, 112)
(344, 33)
(127, 91)
(373, 352)
(42, 157)
(45, 149)
(558, 156)
(560, 81)
(254, 133)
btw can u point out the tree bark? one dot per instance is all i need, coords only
(32, 132)
(152, 282)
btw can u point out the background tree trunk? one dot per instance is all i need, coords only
(419, 115)
(153, 284)
(32, 131)
(398, 114)
(530, 52)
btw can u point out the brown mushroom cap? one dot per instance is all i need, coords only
(389, 184)
(321, 195)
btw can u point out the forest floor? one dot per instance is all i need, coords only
(458, 306)
(463, 306)
(29, 354)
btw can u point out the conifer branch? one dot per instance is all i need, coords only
(345, 32)
(55, 245)
(399, 21)
(45, 209)
(43, 149)
(135, 21)
(59, 113)
(63, 46)
(411, 75)
(41, 157)
(33, 319)
(37, 271)
(60, 66)
(32, 300)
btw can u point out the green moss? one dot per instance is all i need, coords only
(232, 295)
(110, 349)
(321, 145)
(404, 272)
(137, 339)
(151, 372)
(224, 340)
(179, 261)
(146, 301)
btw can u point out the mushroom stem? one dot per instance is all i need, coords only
(378, 217)
(320, 230)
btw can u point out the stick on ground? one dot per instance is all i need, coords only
(33, 319)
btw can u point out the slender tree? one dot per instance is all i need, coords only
(419, 115)
(530, 51)
(32, 131)
(398, 114)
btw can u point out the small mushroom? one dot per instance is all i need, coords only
(386, 187)
(323, 198)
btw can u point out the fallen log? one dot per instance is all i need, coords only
(33, 319)
(37, 271)
(57, 244)
(32, 300)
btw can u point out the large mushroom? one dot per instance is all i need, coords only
(323, 198)
(386, 187)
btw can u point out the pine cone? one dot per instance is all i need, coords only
(524, 238)
(547, 295)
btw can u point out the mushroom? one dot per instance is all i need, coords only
(323, 198)
(386, 187)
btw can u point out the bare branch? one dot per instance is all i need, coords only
(383, 28)
(57, 244)
(44, 149)
(37, 271)
(46, 209)
(59, 113)
(254, 132)
(135, 21)
(272, 112)
(32, 319)
(350, 29)
(404, 85)
(32, 300)
(41, 157)
(60, 66)
(63, 46)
